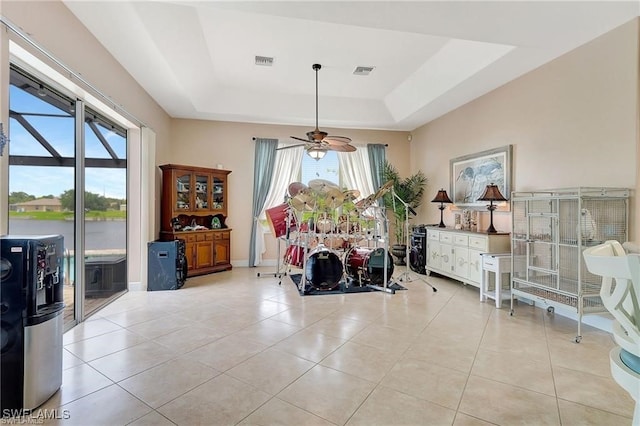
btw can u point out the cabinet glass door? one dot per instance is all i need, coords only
(218, 194)
(202, 192)
(183, 191)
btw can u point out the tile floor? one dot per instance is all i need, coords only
(234, 349)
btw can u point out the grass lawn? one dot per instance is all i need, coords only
(90, 215)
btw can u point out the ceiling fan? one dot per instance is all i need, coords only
(319, 142)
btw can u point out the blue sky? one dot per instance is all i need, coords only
(59, 132)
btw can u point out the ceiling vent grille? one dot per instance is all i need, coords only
(265, 61)
(363, 70)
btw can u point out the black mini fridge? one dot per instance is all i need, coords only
(166, 265)
(31, 317)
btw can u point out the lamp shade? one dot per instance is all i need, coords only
(316, 153)
(441, 197)
(492, 193)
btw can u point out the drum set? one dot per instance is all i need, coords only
(333, 236)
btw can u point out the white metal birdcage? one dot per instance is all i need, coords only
(551, 228)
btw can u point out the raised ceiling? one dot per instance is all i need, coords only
(197, 58)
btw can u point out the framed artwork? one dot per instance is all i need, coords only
(470, 174)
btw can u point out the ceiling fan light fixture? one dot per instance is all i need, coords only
(317, 153)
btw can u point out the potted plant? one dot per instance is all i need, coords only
(409, 190)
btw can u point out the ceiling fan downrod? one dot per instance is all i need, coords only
(316, 67)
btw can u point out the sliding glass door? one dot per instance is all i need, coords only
(69, 179)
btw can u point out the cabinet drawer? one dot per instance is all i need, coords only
(461, 240)
(217, 235)
(479, 243)
(190, 238)
(433, 235)
(489, 263)
(446, 237)
(226, 235)
(209, 236)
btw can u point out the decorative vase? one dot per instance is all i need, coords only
(400, 252)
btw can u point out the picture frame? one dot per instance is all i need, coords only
(470, 174)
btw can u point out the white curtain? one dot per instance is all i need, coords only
(288, 163)
(287, 170)
(356, 171)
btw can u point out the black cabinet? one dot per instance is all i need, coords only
(418, 252)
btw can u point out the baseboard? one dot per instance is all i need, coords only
(137, 286)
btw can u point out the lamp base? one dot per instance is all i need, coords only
(442, 225)
(491, 229)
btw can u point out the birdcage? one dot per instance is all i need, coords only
(551, 228)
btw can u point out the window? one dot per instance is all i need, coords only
(327, 168)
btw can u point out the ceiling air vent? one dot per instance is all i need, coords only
(363, 70)
(265, 61)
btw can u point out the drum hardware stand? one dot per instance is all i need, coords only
(406, 276)
(385, 263)
(278, 273)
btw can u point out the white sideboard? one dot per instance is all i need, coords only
(456, 254)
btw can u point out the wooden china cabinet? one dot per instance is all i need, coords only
(194, 209)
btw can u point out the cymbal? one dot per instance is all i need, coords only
(365, 203)
(302, 202)
(333, 198)
(350, 195)
(386, 187)
(321, 185)
(295, 188)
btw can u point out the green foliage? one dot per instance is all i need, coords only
(91, 201)
(20, 197)
(409, 189)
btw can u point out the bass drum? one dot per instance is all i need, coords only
(324, 269)
(366, 265)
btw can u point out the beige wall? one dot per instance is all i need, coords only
(572, 122)
(55, 29)
(209, 143)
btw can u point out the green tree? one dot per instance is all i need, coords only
(91, 201)
(20, 197)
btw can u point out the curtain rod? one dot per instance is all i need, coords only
(72, 73)
(253, 138)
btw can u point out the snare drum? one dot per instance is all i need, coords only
(366, 265)
(324, 269)
(277, 217)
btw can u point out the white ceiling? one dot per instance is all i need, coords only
(196, 58)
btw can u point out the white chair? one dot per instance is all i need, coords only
(619, 293)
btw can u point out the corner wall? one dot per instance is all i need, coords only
(572, 122)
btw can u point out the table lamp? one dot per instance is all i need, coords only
(491, 194)
(442, 198)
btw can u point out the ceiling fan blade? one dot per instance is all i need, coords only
(299, 139)
(341, 148)
(336, 140)
(290, 146)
